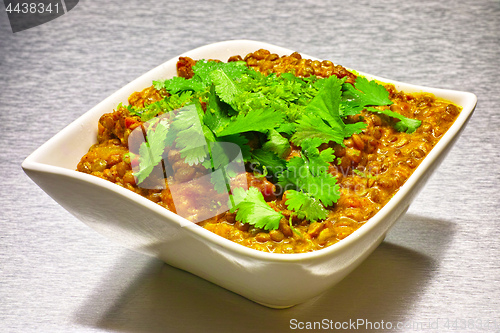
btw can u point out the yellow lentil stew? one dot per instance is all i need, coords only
(363, 146)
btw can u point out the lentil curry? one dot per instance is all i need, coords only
(379, 146)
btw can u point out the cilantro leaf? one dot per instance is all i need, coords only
(366, 93)
(319, 161)
(151, 151)
(305, 206)
(325, 104)
(259, 120)
(215, 117)
(310, 126)
(219, 181)
(404, 124)
(225, 87)
(287, 128)
(322, 119)
(276, 143)
(178, 84)
(354, 128)
(309, 173)
(203, 69)
(253, 209)
(202, 78)
(222, 153)
(284, 108)
(299, 174)
(285, 93)
(370, 93)
(225, 162)
(241, 141)
(323, 188)
(165, 105)
(267, 160)
(190, 136)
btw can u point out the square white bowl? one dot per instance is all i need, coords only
(274, 280)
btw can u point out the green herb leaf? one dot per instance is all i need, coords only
(365, 93)
(151, 151)
(370, 93)
(307, 112)
(190, 135)
(259, 120)
(322, 120)
(203, 69)
(287, 128)
(407, 125)
(310, 126)
(309, 173)
(165, 105)
(325, 104)
(404, 124)
(277, 144)
(253, 209)
(178, 84)
(215, 117)
(266, 160)
(225, 87)
(319, 161)
(241, 141)
(305, 206)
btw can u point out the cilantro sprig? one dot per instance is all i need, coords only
(307, 181)
(254, 210)
(151, 151)
(365, 94)
(404, 124)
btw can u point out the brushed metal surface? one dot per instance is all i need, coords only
(437, 270)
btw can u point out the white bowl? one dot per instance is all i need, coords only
(274, 280)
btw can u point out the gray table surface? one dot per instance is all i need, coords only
(437, 271)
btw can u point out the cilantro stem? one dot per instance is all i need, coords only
(292, 227)
(226, 180)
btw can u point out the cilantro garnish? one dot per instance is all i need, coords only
(226, 88)
(365, 93)
(178, 84)
(165, 105)
(322, 118)
(404, 124)
(216, 116)
(306, 206)
(369, 93)
(151, 151)
(263, 115)
(202, 76)
(310, 181)
(268, 162)
(203, 70)
(190, 136)
(254, 210)
(277, 143)
(259, 121)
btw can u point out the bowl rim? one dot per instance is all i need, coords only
(32, 163)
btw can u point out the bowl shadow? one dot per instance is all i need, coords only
(161, 298)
